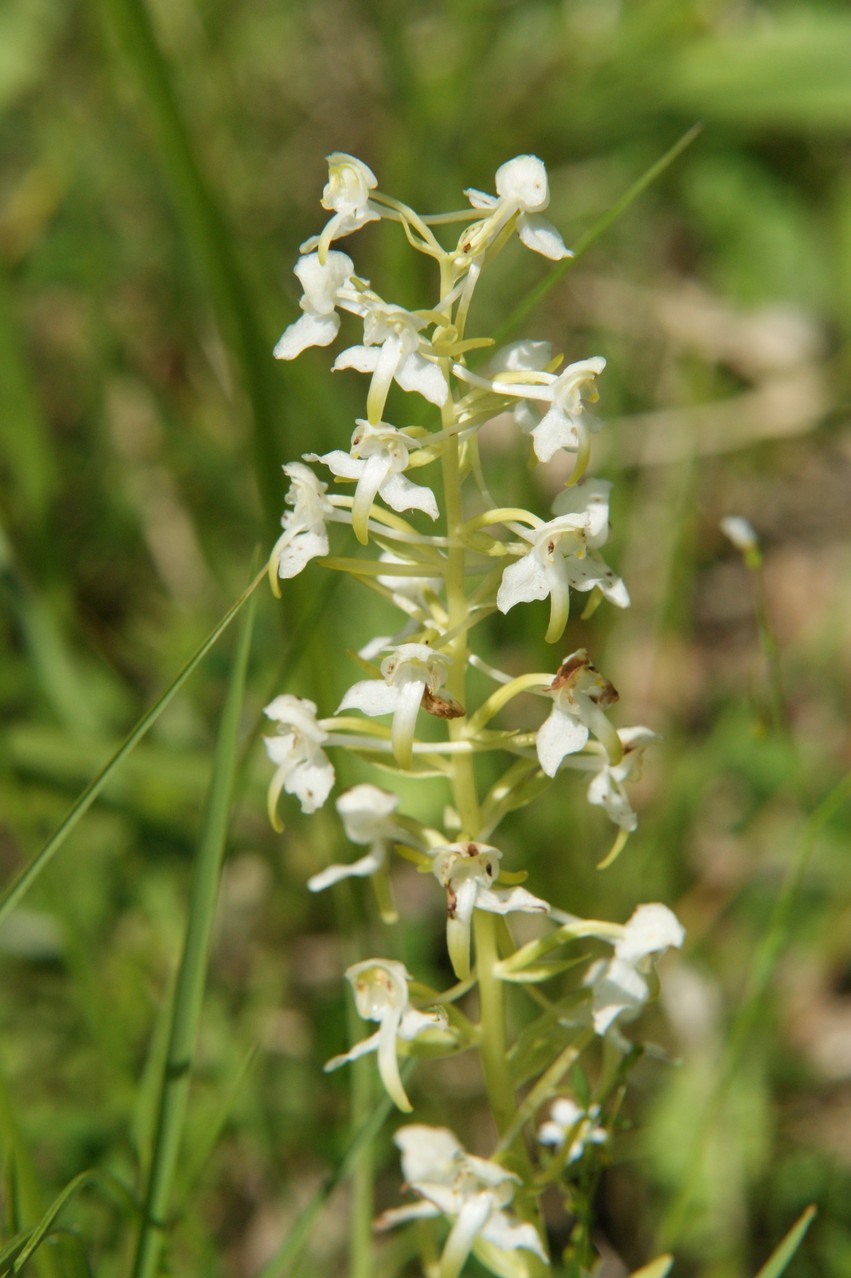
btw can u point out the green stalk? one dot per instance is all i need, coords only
(185, 1011)
(493, 1044)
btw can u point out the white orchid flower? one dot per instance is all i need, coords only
(367, 813)
(741, 532)
(378, 456)
(393, 351)
(413, 673)
(522, 192)
(620, 987)
(304, 536)
(471, 1192)
(346, 194)
(579, 694)
(325, 288)
(572, 1126)
(468, 871)
(548, 406)
(380, 988)
(303, 768)
(565, 423)
(608, 786)
(563, 556)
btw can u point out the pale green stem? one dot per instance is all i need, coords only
(492, 1042)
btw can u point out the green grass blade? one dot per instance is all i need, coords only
(287, 1254)
(207, 239)
(25, 879)
(780, 1257)
(37, 1236)
(744, 1024)
(657, 1268)
(25, 1200)
(187, 1000)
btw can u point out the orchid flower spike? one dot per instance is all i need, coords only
(380, 988)
(468, 871)
(303, 768)
(473, 1193)
(413, 676)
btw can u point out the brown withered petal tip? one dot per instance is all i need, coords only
(441, 707)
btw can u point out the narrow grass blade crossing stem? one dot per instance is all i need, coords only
(188, 993)
(25, 879)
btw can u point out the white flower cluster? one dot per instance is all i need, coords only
(446, 558)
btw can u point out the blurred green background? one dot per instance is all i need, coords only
(160, 165)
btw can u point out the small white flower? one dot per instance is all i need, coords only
(303, 768)
(563, 556)
(608, 786)
(324, 284)
(565, 423)
(378, 456)
(367, 813)
(740, 532)
(522, 192)
(380, 988)
(471, 1192)
(412, 672)
(346, 194)
(468, 872)
(568, 1121)
(304, 536)
(579, 692)
(394, 351)
(620, 987)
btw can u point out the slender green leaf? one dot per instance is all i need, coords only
(188, 994)
(780, 1257)
(19, 886)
